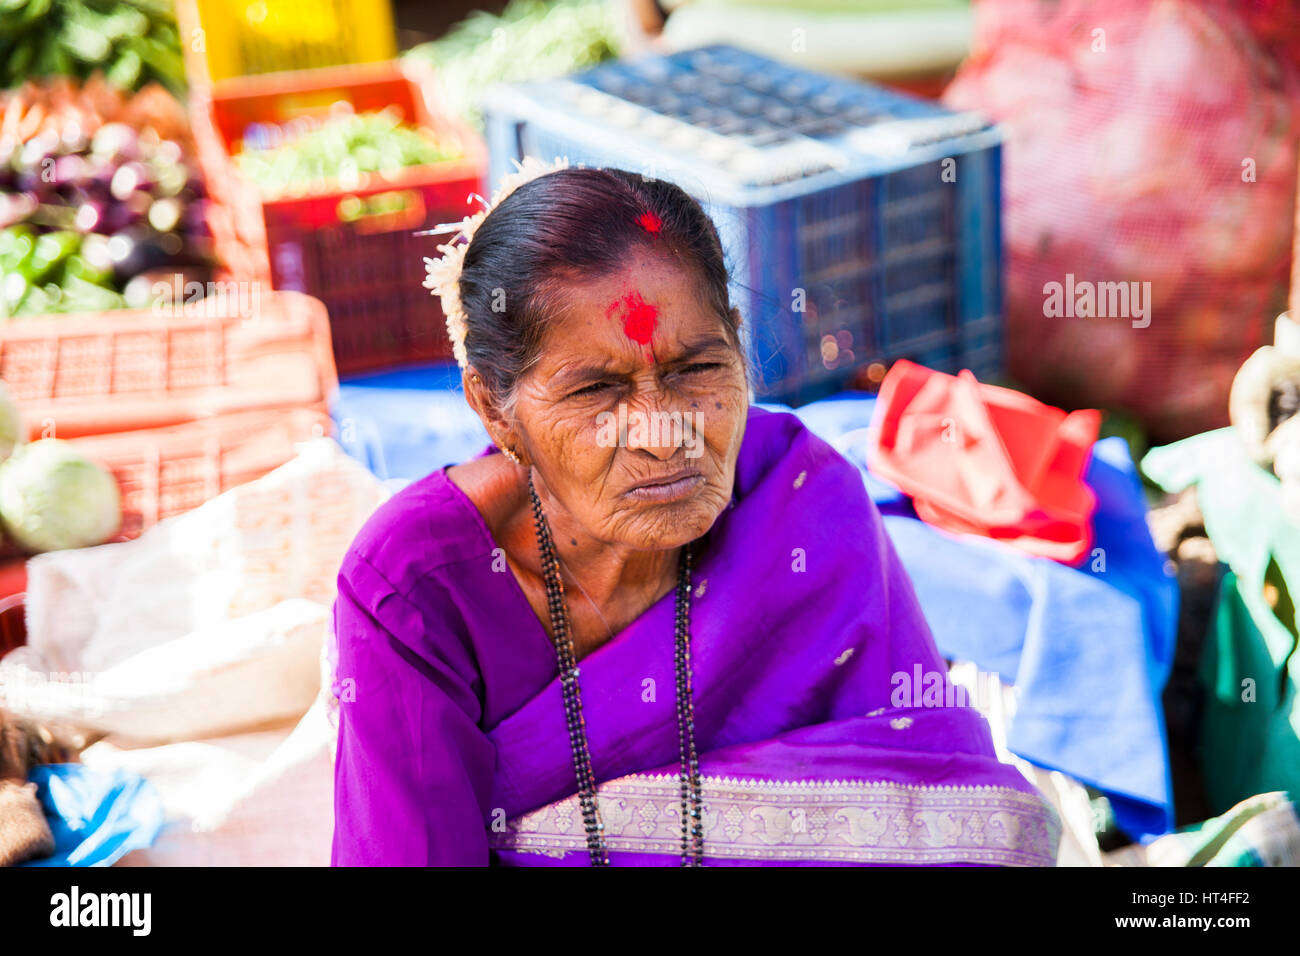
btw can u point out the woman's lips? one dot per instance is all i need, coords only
(671, 488)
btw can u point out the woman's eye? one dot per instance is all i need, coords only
(592, 389)
(702, 367)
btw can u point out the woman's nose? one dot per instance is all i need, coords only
(654, 427)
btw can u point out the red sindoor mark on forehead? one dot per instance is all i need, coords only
(649, 222)
(639, 318)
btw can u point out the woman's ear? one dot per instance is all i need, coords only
(480, 398)
(738, 318)
(476, 393)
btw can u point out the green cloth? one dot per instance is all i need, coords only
(1261, 831)
(1250, 669)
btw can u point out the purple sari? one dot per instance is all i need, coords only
(451, 744)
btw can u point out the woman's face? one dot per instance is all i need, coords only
(634, 414)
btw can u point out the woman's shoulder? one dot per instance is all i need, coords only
(426, 526)
(778, 442)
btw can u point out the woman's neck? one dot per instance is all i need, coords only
(608, 586)
(610, 574)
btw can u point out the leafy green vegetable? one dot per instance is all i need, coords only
(531, 40)
(341, 149)
(133, 42)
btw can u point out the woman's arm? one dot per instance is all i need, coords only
(413, 772)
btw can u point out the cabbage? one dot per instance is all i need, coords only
(11, 424)
(54, 497)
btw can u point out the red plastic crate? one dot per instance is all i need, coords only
(131, 369)
(13, 618)
(13, 577)
(163, 472)
(13, 623)
(369, 271)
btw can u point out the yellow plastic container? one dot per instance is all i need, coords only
(243, 37)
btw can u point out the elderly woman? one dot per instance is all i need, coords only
(659, 626)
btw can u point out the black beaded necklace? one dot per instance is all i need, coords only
(691, 796)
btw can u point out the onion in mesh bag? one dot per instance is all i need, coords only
(1149, 141)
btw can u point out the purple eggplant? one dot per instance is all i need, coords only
(16, 207)
(101, 172)
(116, 141)
(118, 216)
(168, 153)
(9, 154)
(170, 179)
(165, 214)
(172, 286)
(74, 138)
(28, 181)
(37, 150)
(172, 245)
(140, 249)
(140, 292)
(195, 186)
(90, 215)
(130, 178)
(139, 202)
(135, 250)
(94, 249)
(70, 170)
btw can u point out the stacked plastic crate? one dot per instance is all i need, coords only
(861, 225)
(261, 70)
(180, 405)
(229, 38)
(352, 246)
(190, 397)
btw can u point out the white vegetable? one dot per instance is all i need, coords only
(871, 43)
(53, 497)
(11, 424)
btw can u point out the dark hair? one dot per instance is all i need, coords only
(573, 224)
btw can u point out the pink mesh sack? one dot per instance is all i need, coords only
(1149, 184)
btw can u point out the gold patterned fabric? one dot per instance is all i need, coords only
(802, 821)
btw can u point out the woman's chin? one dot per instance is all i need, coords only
(671, 524)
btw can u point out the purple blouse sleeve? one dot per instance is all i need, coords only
(413, 771)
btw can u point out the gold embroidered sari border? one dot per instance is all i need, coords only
(841, 820)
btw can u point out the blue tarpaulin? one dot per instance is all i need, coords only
(1088, 649)
(96, 816)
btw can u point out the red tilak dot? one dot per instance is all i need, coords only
(639, 317)
(649, 222)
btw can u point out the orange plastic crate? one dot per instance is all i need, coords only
(128, 369)
(368, 269)
(163, 472)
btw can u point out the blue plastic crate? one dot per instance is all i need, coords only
(877, 212)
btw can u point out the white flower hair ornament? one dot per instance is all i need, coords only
(442, 276)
